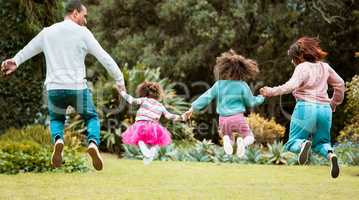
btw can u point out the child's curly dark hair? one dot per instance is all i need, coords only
(150, 90)
(232, 66)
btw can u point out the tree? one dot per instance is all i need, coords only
(183, 38)
(21, 95)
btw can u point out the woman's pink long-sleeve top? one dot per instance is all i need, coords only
(310, 81)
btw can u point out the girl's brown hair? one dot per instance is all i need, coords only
(150, 90)
(306, 49)
(231, 66)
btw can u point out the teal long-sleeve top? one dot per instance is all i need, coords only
(232, 97)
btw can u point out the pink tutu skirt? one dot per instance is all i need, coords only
(150, 132)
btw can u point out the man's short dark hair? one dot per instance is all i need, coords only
(73, 5)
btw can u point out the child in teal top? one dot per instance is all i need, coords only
(233, 96)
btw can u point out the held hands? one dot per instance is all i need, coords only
(187, 115)
(8, 67)
(265, 91)
(120, 88)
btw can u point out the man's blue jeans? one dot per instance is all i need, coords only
(81, 100)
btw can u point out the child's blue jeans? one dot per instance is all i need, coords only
(311, 119)
(81, 100)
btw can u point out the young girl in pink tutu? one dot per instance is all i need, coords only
(147, 132)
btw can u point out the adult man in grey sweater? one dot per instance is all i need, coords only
(65, 46)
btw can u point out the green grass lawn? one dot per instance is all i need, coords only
(127, 179)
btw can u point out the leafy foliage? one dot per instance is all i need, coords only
(206, 151)
(40, 135)
(265, 131)
(202, 152)
(254, 155)
(21, 95)
(29, 150)
(351, 130)
(21, 157)
(348, 152)
(183, 38)
(277, 154)
(35, 133)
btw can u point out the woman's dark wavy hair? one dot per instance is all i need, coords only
(306, 49)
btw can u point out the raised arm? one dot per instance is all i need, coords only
(95, 49)
(249, 99)
(170, 116)
(206, 98)
(294, 82)
(33, 48)
(338, 85)
(130, 99)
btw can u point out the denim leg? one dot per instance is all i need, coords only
(301, 126)
(57, 110)
(321, 138)
(86, 108)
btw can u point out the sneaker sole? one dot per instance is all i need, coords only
(304, 154)
(96, 158)
(56, 159)
(334, 167)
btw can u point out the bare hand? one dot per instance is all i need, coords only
(265, 91)
(333, 106)
(8, 67)
(120, 88)
(187, 115)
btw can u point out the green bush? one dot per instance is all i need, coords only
(21, 157)
(254, 155)
(131, 152)
(21, 95)
(206, 151)
(29, 150)
(348, 152)
(277, 154)
(202, 152)
(265, 131)
(40, 135)
(36, 133)
(168, 153)
(316, 159)
(351, 129)
(353, 158)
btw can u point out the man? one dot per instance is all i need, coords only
(65, 45)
